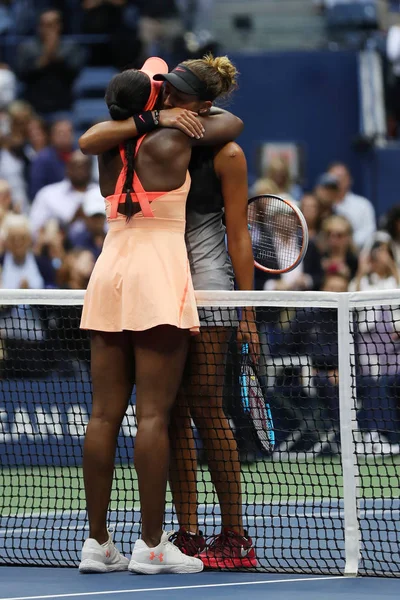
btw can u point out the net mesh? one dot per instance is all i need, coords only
(292, 500)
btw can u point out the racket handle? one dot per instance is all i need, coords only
(245, 349)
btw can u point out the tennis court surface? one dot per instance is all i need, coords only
(38, 584)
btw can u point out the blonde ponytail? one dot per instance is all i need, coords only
(219, 74)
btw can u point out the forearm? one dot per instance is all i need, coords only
(241, 255)
(104, 136)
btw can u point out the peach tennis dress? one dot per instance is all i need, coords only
(142, 277)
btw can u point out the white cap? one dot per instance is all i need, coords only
(93, 203)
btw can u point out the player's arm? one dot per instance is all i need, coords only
(220, 127)
(231, 167)
(216, 129)
(102, 137)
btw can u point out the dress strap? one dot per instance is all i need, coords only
(139, 192)
(139, 189)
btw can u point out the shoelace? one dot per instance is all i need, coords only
(223, 542)
(172, 535)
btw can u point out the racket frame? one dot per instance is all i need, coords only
(303, 223)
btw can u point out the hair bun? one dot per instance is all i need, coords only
(226, 70)
(118, 113)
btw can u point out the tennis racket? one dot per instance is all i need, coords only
(255, 408)
(279, 233)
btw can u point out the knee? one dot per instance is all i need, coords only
(105, 420)
(153, 420)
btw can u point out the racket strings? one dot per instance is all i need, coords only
(276, 233)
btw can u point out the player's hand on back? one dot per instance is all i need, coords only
(185, 120)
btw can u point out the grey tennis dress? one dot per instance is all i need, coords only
(210, 264)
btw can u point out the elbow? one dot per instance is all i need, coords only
(239, 126)
(84, 144)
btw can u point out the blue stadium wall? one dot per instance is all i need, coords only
(310, 98)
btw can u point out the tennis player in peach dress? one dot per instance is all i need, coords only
(140, 308)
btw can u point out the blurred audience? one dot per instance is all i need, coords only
(338, 254)
(378, 356)
(392, 226)
(326, 191)
(311, 208)
(278, 171)
(13, 160)
(78, 267)
(377, 270)
(160, 24)
(112, 17)
(63, 200)
(351, 205)
(49, 164)
(48, 65)
(21, 269)
(89, 233)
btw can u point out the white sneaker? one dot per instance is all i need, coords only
(164, 558)
(102, 558)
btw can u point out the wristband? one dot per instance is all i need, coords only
(145, 122)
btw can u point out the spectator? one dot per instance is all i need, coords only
(393, 80)
(37, 136)
(312, 211)
(21, 269)
(109, 17)
(378, 356)
(377, 270)
(337, 251)
(63, 200)
(278, 171)
(50, 245)
(49, 164)
(12, 168)
(159, 25)
(6, 208)
(327, 193)
(21, 113)
(392, 226)
(351, 206)
(8, 86)
(264, 186)
(90, 234)
(48, 65)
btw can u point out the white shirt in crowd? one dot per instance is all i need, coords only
(13, 273)
(56, 201)
(361, 214)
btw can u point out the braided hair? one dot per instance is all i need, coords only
(126, 95)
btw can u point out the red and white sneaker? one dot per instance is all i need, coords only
(229, 550)
(189, 543)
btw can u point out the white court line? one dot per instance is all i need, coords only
(216, 520)
(61, 514)
(177, 587)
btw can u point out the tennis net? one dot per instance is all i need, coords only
(316, 425)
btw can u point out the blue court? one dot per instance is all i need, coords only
(289, 536)
(32, 583)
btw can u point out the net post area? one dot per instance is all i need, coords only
(351, 526)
